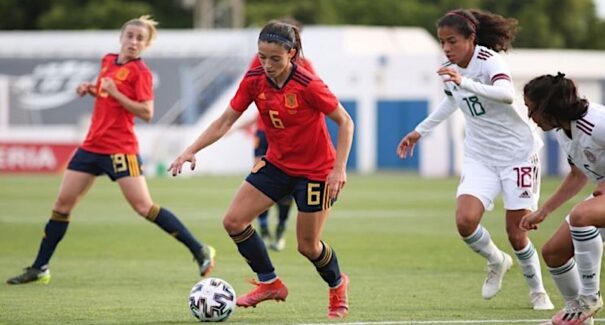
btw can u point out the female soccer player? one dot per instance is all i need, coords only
(499, 148)
(553, 103)
(123, 91)
(261, 145)
(300, 162)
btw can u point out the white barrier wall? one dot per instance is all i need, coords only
(364, 66)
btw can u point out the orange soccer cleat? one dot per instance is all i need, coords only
(339, 300)
(275, 290)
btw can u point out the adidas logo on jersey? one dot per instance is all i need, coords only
(525, 195)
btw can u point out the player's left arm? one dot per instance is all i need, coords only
(338, 176)
(500, 88)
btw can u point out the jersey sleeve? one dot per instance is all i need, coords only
(243, 96)
(144, 86)
(305, 63)
(500, 88)
(598, 134)
(443, 111)
(320, 97)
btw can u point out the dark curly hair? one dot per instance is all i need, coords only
(492, 31)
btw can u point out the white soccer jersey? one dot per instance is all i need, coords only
(496, 132)
(586, 147)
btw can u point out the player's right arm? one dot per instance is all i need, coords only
(215, 131)
(571, 185)
(443, 111)
(500, 88)
(85, 88)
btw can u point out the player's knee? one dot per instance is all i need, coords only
(466, 222)
(144, 210)
(580, 216)
(63, 204)
(308, 249)
(549, 254)
(233, 225)
(465, 226)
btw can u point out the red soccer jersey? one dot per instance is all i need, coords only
(301, 62)
(112, 126)
(299, 143)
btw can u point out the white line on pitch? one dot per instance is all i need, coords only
(486, 321)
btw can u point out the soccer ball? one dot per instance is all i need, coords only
(212, 300)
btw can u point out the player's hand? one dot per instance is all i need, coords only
(177, 165)
(336, 180)
(109, 86)
(407, 144)
(450, 74)
(530, 221)
(85, 88)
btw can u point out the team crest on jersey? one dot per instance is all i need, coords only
(122, 74)
(291, 101)
(590, 156)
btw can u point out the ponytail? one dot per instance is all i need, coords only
(555, 98)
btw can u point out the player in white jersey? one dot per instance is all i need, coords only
(499, 148)
(553, 103)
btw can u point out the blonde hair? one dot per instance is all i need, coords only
(145, 21)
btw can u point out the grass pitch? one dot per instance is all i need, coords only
(394, 235)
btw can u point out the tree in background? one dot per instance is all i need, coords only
(544, 23)
(88, 14)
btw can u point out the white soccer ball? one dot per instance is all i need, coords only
(212, 300)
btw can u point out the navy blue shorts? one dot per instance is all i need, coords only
(260, 144)
(115, 166)
(310, 196)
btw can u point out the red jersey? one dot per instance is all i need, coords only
(299, 143)
(112, 126)
(301, 62)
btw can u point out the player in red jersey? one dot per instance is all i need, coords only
(123, 91)
(301, 162)
(278, 241)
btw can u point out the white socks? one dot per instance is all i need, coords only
(530, 264)
(588, 250)
(481, 242)
(567, 279)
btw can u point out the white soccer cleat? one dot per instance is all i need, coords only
(279, 244)
(589, 321)
(495, 274)
(541, 301)
(579, 311)
(588, 306)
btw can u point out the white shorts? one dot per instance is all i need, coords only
(519, 183)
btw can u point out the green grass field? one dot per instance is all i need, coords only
(394, 235)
